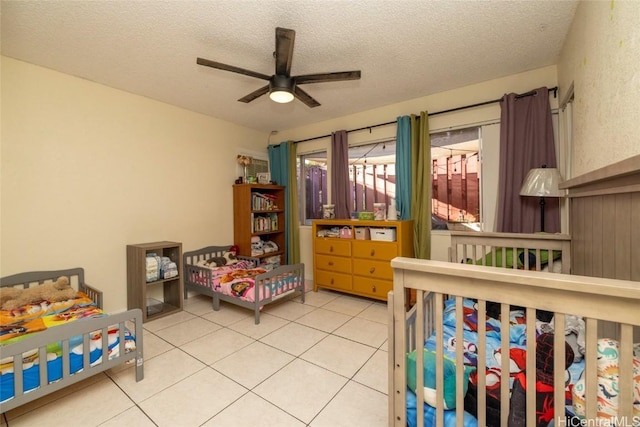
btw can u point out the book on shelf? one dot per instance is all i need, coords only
(262, 201)
(264, 222)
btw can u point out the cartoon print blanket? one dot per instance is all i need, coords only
(24, 320)
(238, 280)
(18, 324)
(493, 352)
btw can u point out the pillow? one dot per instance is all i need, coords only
(449, 370)
(488, 259)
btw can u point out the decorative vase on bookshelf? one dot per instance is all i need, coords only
(244, 161)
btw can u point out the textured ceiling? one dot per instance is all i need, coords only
(405, 49)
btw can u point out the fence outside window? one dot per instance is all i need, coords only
(455, 178)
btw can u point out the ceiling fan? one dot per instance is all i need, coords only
(283, 87)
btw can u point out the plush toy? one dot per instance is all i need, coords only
(14, 297)
(256, 243)
(216, 261)
(227, 258)
(230, 257)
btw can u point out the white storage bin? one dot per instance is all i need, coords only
(384, 234)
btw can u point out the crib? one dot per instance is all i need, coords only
(610, 308)
(268, 286)
(73, 338)
(435, 282)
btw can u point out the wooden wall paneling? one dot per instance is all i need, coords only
(608, 230)
(615, 224)
(623, 237)
(587, 236)
(635, 236)
(597, 236)
(577, 226)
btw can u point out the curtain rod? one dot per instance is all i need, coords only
(480, 104)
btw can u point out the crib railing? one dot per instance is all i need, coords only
(593, 299)
(495, 248)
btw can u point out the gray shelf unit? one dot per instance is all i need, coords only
(139, 290)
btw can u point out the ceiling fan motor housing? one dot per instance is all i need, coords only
(278, 82)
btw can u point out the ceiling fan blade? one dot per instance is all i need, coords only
(284, 50)
(305, 97)
(225, 67)
(255, 94)
(327, 77)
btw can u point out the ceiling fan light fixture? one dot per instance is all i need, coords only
(281, 89)
(281, 96)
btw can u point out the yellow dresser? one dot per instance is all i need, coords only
(346, 259)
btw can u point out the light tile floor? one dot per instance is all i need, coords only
(321, 363)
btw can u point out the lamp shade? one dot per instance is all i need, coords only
(541, 182)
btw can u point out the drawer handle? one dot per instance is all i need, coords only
(332, 281)
(373, 288)
(372, 270)
(330, 248)
(373, 252)
(330, 263)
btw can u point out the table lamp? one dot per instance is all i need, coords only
(541, 182)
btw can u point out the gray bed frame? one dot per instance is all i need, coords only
(190, 259)
(62, 333)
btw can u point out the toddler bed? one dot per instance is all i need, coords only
(452, 299)
(75, 338)
(239, 280)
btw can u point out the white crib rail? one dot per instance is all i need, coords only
(615, 301)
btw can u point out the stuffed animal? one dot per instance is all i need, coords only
(216, 261)
(230, 257)
(256, 243)
(227, 258)
(14, 297)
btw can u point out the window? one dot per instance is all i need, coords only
(455, 177)
(372, 175)
(312, 185)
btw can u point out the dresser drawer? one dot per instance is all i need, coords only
(333, 263)
(333, 247)
(371, 250)
(374, 269)
(372, 287)
(328, 279)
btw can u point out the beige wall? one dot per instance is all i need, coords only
(600, 58)
(87, 169)
(468, 95)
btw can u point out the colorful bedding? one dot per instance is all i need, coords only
(493, 356)
(238, 280)
(20, 323)
(608, 376)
